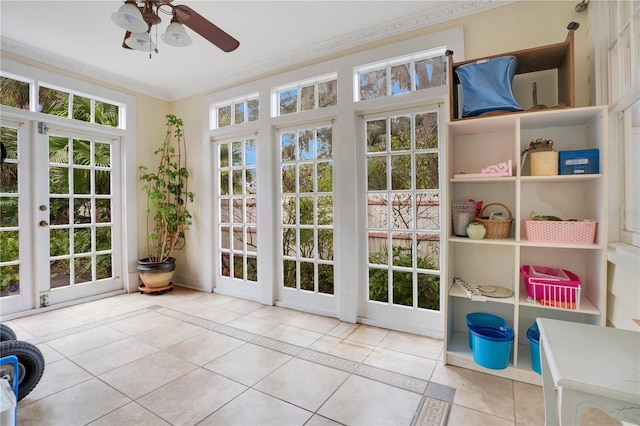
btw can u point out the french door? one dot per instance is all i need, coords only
(306, 237)
(237, 217)
(402, 155)
(60, 205)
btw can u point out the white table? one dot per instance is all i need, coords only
(590, 366)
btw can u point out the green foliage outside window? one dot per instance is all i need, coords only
(428, 285)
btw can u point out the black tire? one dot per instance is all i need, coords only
(30, 364)
(6, 333)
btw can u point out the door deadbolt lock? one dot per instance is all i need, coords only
(43, 223)
(43, 208)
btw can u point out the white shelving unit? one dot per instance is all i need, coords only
(474, 144)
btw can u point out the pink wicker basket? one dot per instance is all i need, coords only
(583, 231)
(552, 287)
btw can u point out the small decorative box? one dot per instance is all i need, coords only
(583, 161)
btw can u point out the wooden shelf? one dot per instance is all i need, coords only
(558, 56)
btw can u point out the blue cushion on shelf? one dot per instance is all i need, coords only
(486, 86)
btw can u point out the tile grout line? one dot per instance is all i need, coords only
(85, 327)
(387, 377)
(398, 380)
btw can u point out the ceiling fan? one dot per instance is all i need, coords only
(139, 16)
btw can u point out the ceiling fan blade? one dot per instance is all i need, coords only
(206, 29)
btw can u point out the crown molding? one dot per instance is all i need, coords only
(82, 69)
(450, 11)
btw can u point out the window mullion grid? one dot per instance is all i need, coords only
(70, 106)
(390, 200)
(389, 206)
(34, 96)
(412, 77)
(414, 206)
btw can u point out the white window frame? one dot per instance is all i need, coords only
(620, 88)
(213, 110)
(346, 114)
(299, 85)
(34, 89)
(127, 131)
(388, 64)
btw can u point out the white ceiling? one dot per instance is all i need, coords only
(80, 36)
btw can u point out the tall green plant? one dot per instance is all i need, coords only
(167, 195)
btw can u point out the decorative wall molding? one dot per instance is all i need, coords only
(450, 11)
(78, 68)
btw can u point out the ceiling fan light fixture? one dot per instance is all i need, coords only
(129, 17)
(176, 35)
(140, 41)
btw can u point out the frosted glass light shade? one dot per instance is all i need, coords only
(140, 41)
(129, 18)
(176, 35)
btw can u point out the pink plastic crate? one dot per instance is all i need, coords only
(583, 231)
(558, 292)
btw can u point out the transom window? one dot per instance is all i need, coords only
(401, 75)
(16, 92)
(306, 95)
(237, 111)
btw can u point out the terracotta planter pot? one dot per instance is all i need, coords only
(156, 274)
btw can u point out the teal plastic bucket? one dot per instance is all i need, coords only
(533, 334)
(492, 345)
(482, 318)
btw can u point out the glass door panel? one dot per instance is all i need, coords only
(307, 225)
(15, 292)
(81, 235)
(404, 226)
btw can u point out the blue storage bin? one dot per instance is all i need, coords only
(492, 345)
(579, 162)
(533, 334)
(486, 85)
(483, 318)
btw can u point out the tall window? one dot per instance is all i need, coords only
(238, 210)
(622, 32)
(403, 221)
(307, 209)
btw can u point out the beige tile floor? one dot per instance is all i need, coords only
(193, 358)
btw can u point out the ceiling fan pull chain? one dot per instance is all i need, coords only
(156, 46)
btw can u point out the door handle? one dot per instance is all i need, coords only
(43, 223)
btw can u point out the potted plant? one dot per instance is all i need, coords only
(167, 200)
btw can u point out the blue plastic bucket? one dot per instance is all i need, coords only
(491, 345)
(483, 318)
(533, 334)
